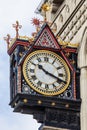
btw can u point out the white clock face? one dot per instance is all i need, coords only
(46, 72)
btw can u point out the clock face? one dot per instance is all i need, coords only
(46, 72)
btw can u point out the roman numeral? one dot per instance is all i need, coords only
(54, 86)
(39, 83)
(31, 70)
(46, 86)
(61, 75)
(60, 67)
(46, 59)
(33, 77)
(53, 61)
(39, 60)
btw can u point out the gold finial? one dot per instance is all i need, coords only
(46, 7)
(17, 27)
(7, 39)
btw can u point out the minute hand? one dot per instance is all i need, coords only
(58, 79)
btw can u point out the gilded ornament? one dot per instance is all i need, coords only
(25, 100)
(23, 37)
(67, 105)
(31, 39)
(72, 61)
(15, 104)
(12, 42)
(46, 7)
(39, 102)
(67, 54)
(53, 103)
(21, 54)
(63, 43)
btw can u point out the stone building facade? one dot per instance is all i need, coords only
(69, 18)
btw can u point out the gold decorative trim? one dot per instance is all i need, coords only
(63, 43)
(30, 39)
(23, 37)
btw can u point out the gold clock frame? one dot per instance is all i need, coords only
(33, 87)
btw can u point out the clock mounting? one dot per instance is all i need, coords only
(46, 72)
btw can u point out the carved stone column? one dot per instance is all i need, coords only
(82, 64)
(83, 89)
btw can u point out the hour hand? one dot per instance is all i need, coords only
(41, 67)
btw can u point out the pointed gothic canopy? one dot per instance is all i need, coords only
(46, 38)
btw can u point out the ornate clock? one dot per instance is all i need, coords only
(46, 72)
(45, 83)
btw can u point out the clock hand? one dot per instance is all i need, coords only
(32, 63)
(41, 67)
(58, 79)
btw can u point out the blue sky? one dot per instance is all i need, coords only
(10, 12)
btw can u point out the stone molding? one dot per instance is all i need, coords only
(51, 128)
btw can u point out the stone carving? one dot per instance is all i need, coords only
(61, 18)
(75, 2)
(67, 8)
